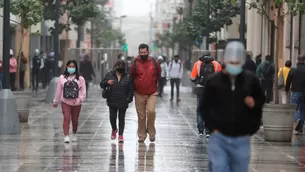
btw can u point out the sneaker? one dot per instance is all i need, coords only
(67, 139)
(178, 100)
(152, 138)
(141, 140)
(113, 134)
(74, 138)
(200, 134)
(121, 139)
(207, 136)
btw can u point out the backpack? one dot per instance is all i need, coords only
(206, 69)
(171, 65)
(71, 89)
(267, 72)
(155, 64)
(36, 62)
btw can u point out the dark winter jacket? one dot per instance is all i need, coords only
(86, 70)
(121, 92)
(296, 79)
(223, 108)
(250, 65)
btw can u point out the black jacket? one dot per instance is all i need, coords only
(250, 65)
(225, 110)
(296, 77)
(121, 92)
(86, 70)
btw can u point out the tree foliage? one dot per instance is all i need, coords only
(30, 12)
(102, 32)
(77, 12)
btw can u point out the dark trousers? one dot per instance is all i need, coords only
(12, 81)
(35, 79)
(44, 78)
(21, 79)
(113, 116)
(161, 86)
(87, 87)
(175, 81)
(267, 86)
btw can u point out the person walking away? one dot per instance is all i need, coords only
(295, 81)
(146, 73)
(13, 70)
(162, 82)
(44, 70)
(1, 73)
(50, 62)
(23, 62)
(71, 91)
(282, 75)
(265, 72)
(258, 60)
(37, 64)
(204, 67)
(231, 107)
(175, 72)
(120, 94)
(129, 63)
(250, 64)
(87, 71)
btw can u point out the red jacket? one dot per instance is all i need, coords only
(146, 76)
(1, 66)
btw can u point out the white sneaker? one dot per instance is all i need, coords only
(74, 138)
(67, 139)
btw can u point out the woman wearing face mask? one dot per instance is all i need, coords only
(71, 91)
(120, 95)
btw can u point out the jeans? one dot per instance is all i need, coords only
(161, 85)
(173, 82)
(21, 79)
(200, 122)
(113, 117)
(35, 79)
(298, 99)
(0, 80)
(70, 113)
(267, 86)
(228, 154)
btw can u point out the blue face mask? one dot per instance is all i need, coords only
(233, 69)
(71, 70)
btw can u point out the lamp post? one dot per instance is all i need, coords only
(207, 34)
(9, 120)
(53, 83)
(291, 32)
(121, 21)
(242, 26)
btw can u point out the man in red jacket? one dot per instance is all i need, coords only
(146, 73)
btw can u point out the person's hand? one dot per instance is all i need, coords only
(54, 105)
(110, 82)
(250, 101)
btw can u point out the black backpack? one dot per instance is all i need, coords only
(36, 62)
(267, 72)
(71, 89)
(206, 69)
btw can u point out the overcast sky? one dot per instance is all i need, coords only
(136, 7)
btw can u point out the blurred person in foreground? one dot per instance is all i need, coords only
(231, 107)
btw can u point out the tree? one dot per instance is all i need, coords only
(77, 12)
(30, 13)
(221, 14)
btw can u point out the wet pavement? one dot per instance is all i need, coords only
(40, 147)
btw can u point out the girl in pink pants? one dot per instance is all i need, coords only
(71, 91)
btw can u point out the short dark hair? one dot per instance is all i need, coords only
(288, 63)
(120, 64)
(268, 57)
(176, 56)
(143, 46)
(120, 56)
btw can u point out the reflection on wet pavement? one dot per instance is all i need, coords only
(40, 147)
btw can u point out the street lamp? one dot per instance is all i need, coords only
(53, 83)
(9, 119)
(121, 21)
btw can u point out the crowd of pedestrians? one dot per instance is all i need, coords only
(230, 97)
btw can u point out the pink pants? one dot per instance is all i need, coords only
(70, 113)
